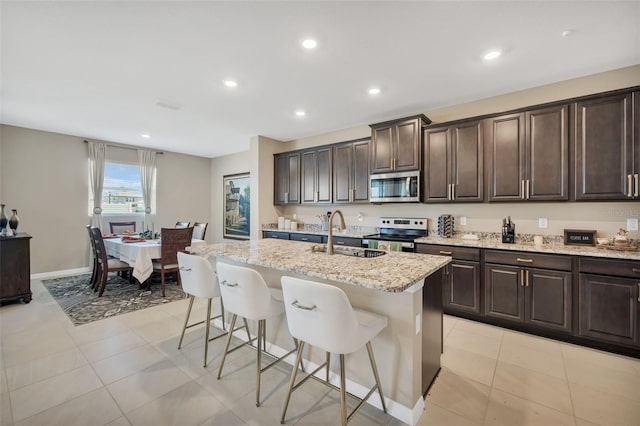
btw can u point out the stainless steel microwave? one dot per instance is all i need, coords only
(399, 187)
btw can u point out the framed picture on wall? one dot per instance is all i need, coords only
(237, 206)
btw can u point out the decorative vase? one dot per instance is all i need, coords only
(3, 221)
(14, 221)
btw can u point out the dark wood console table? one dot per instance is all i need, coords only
(15, 272)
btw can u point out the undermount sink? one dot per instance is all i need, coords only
(349, 251)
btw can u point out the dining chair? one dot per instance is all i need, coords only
(199, 230)
(182, 224)
(120, 227)
(172, 240)
(245, 294)
(322, 316)
(105, 263)
(199, 279)
(94, 269)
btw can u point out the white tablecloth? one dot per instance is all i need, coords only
(138, 255)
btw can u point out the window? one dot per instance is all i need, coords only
(121, 191)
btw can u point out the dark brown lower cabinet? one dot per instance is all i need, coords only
(609, 308)
(462, 286)
(540, 297)
(15, 270)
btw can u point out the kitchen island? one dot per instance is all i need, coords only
(405, 287)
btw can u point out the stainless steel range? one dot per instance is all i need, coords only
(397, 233)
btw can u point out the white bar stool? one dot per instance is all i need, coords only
(199, 280)
(245, 294)
(322, 316)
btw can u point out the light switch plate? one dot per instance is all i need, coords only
(632, 224)
(463, 220)
(542, 222)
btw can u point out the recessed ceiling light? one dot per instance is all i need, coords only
(230, 83)
(309, 43)
(492, 55)
(301, 113)
(146, 135)
(566, 33)
(374, 91)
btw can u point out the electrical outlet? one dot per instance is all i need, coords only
(463, 220)
(632, 224)
(360, 217)
(542, 222)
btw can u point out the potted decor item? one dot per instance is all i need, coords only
(14, 221)
(620, 239)
(3, 221)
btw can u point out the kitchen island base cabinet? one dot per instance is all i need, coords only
(432, 342)
(15, 275)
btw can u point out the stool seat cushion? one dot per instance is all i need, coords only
(322, 316)
(246, 294)
(198, 276)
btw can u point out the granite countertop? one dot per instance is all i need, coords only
(392, 272)
(530, 247)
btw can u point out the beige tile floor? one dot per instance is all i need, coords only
(126, 370)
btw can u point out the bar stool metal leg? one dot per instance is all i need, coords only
(343, 394)
(186, 320)
(375, 374)
(206, 333)
(259, 360)
(226, 346)
(292, 381)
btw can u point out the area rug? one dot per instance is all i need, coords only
(83, 306)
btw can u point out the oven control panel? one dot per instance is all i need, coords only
(403, 223)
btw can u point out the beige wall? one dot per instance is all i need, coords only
(604, 217)
(45, 176)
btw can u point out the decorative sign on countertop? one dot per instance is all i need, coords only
(579, 237)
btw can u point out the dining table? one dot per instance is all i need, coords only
(139, 254)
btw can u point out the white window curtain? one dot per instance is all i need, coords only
(147, 162)
(97, 154)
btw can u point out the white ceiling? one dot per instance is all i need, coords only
(98, 69)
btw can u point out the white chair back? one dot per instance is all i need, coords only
(198, 276)
(244, 291)
(320, 315)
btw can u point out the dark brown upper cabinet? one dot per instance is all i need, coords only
(396, 145)
(528, 155)
(453, 163)
(351, 172)
(286, 178)
(607, 158)
(316, 176)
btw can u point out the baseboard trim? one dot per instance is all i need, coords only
(56, 274)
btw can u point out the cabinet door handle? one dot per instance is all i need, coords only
(521, 277)
(522, 189)
(286, 197)
(636, 179)
(447, 253)
(528, 187)
(638, 292)
(453, 191)
(526, 278)
(340, 243)
(519, 259)
(353, 195)
(629, 186)
(636, 269)
(304, 239)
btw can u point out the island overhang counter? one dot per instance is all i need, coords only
(406, 287)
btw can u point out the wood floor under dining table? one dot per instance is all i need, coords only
(138, 255)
